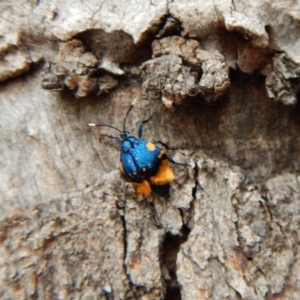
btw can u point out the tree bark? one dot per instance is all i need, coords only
(218, 82)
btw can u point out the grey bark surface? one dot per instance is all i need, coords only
(220, 81)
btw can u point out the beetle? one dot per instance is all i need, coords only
(142, 163)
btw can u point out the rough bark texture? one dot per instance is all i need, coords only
(219, 79)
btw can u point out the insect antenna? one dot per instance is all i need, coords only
(112, 137)
(105, 125)
(141, 127)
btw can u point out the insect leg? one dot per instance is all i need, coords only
(141, 127)
(169, 158)
(163, 144)
(175, 162)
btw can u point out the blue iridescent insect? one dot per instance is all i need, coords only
(142, 163)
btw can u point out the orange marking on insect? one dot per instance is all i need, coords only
(164, 174)
(150, 146)
(143, 189)
(162, 152)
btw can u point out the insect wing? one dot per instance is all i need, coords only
(129, 169)
(146, 157)
(153, 162)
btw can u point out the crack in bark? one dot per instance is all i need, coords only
(94, 13)
(274, 218)
(122, 217)
(196, 173)
(169, 26)
(62, 157)
(170, 248)
(233, 5)
(133, 291)
(98, 155)
(33, 176)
